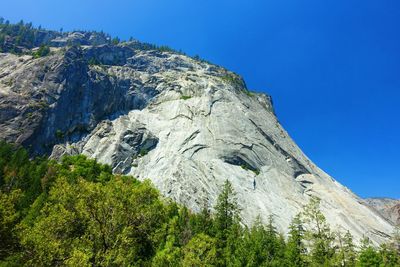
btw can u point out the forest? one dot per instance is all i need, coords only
(76, 212)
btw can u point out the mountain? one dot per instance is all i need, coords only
(184, 123)
(389, 208)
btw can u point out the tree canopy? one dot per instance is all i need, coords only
(77, 213)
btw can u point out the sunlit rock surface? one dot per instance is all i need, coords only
(185, 124)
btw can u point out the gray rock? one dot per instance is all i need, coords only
(389, 208)
(79, 38)
(185, 124)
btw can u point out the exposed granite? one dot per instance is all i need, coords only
(185, 124)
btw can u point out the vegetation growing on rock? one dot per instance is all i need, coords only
(43, 51)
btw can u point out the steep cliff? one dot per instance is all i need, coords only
(389, 208)
(185, 124)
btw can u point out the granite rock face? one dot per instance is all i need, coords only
(389, 208)
(183, 123)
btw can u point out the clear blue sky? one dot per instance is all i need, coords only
(331, 66)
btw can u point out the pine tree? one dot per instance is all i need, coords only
(202, 222)
(368, 256)
(318, 234)
(201, 251)
(169, 256)
(258, 245)
(226, 219)
(389, 255)
(235, 251)
(346, 255)
(227, 211)
(396, 238)
(295, 250)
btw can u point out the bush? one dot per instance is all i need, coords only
(43, 51)
(59, 134)
(143, 152)
(93, 61)
(234, 79)
(185, 97)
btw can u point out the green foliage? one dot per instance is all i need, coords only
(42, 104)
(8, 218)
(115, 41)
(396, 238)
(43, 51)
(164, 48)
(93, 62)
(14, 37)
(295, 253)
(264, 246)
(227, 211)
(201, 251)
(389, 255)
(346, 254)
(168, 256)
(248, 167)
(105, 224)
(234, 79)
(185, 97)
(75, 167)
(143, 152)
(318, 234)
(77, 213)
(249, 93)
(369, 256)
(59, 134)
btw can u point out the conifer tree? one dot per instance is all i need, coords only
(295, 250)
(346, 255)
(227, 211)
(389, 255)
(368, 256)
(396, 238)
(318, 234)
(202, 222)
(169, 256)
(235, 250)
(201, 251)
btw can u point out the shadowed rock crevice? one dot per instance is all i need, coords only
(241, 161)
(133, 144)
(298, 168)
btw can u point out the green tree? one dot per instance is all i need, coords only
(368, 255)
(93, 223)
(201, 251)
(202, 222)
(260, 244)
(295, 252)
(396, 238)
(235, 251)
(389, 255)
(9, 216)
(227, 211)
(115, 41)
(169, 256)
(318, 234)
(43, 51)
(346, 255)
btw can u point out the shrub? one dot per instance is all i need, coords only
(59, 134)
(143, 152)
(43, 51)
(185, 97)
(93, 61)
